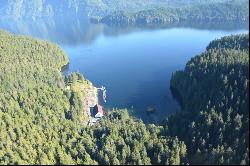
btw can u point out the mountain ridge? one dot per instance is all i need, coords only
(20, 9)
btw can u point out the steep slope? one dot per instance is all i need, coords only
(34, 104)
(20, 9)
(43, 8)
(237, 11)
(213, 91)
(43, 117)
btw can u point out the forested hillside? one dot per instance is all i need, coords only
(213, 12)
(19, 9)
(33, 9)
(44, 122)
(213, 92)
(33, 103)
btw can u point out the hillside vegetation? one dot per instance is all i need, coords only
(211, 12)
(213, 92)
(19, 9)
(43, 122)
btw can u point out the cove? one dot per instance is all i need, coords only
(135, 64)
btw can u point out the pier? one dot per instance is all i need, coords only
(104, 93)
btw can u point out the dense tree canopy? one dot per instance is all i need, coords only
(216, 12)
(32, 99)
(213, 91)
(19, 9)
(44, 122)
(121, 139)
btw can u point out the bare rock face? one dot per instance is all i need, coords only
(34, 9)
(86, 92)
(91, 99)
(91, 102)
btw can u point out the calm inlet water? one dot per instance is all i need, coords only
(134, 64)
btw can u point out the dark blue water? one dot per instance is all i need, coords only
(134, 64)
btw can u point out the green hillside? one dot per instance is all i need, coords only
(210, 12)
(213, 92)
(43, 122)
(45, 8)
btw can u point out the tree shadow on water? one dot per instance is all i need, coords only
(153, 102)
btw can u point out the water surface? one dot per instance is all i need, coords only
(135, 64)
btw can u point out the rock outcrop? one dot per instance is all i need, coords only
(91, 99)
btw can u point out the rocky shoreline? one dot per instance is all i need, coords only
(91, 105)
(82, 90)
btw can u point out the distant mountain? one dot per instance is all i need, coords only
(43, 8)
(40, 8)
(233, 11)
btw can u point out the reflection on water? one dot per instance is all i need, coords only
(135, 64)
(68, 31)
(64, 31)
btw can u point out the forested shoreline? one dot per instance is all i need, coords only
(43, 122)
(34, 9)
(213, 91)
(236, 11)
